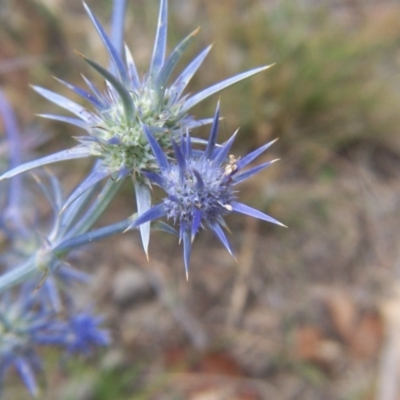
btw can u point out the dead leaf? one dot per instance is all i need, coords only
(342, 311)
(311, 345)
(367, 337)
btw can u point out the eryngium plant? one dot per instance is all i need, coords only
(137, 127)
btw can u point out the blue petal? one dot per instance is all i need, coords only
(70, 274)
(247, 174)
(73, 121)
(195, 140)
(182, 229)
(69, 154)
(117, 24)
(221, 236)
(96, 209)
(172, 61)
(123, 93)
(197, 214)
(13, 135)
(156, 178)
(188, 146)
(123, 173)
(157, 150)
(196, 123)
(50, 286)
(63, 102)
(84, 94)
(254, 154)
(222, 153)
(112, 51)
(162, 226)
(199, 181)
(252, 212)
(132, 70)
(114, 141)
(95, 176)
(83, 333)
(150, 215)
(85, 140)
(78, 240)
(180, 159)
(93, 88)
(57, 190)
(27, 375)
(183, 146)
(213, 135)
(47, 193)
(161, 40)
(187, 247)
(143, 201)
(187, 74)
(73, 214)
(197, 98)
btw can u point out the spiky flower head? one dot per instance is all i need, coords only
(200, 187)
(22, 324)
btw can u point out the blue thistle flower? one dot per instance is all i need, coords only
(200, 187)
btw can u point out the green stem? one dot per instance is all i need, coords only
(19, 274)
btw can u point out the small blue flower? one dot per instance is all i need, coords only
(27, 322)
(82, 333)
(200, 187)
(78, 333)
(22, 327)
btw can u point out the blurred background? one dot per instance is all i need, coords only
(309, 312)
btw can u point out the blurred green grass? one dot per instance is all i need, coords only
(335, 83)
